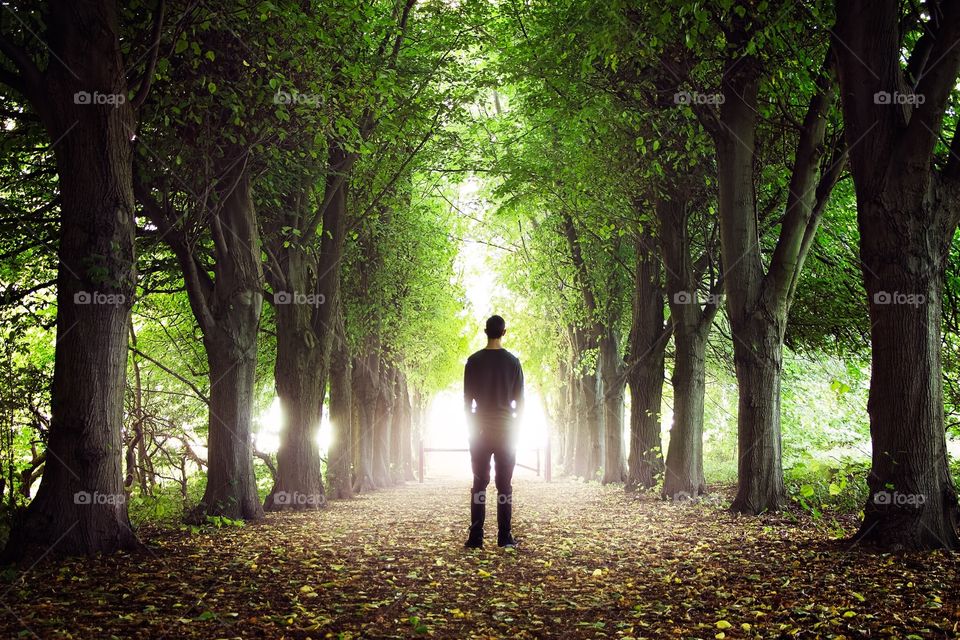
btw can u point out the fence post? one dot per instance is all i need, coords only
(547, 462)
(421, 460)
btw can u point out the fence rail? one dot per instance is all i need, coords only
(547, 461)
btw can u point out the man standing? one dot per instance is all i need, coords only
(493, 401)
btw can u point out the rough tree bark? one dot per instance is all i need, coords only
(232, 311)
(587, 395)
(648, 341)
(340, 456)
(364, 385)
(80, 507)
(590, 412)
(758, 300)
(383, 426)
(306, 297)
(907, 212)
(227, 307)
(405, 432)
(691, 327)
(614, 381)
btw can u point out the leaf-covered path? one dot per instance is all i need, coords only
(593, 563)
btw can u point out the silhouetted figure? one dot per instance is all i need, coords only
(493, 401)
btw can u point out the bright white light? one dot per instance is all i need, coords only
(267, 437)
(325, 435)
(446, 428)
(270, 425)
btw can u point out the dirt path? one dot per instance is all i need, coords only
(593, 563)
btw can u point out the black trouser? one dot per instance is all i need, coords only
(496, 443)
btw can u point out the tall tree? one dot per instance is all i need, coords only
(908, 206)
(759, 295)
(207, 218)
(82, 98)
(691, 319)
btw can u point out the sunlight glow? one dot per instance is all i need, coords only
(446, 428)
(269, 424)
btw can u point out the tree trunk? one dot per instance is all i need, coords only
(591, 425)
(614, 465)
(907, 214)
(80, 507)
(586, 448)
(230, 337)
(756, 346)
(340, 456)
(684, 472)
(562, 411)
(648, 340)
(757, 355)
(364, 394)
(305, 320)
(691, 324)
(913, 502)
(231, 485)
(418, 421)
(580, 443)
(405, 441)
(383, 425)
(297, 376)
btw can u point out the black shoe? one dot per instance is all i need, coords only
(507, 543)
(473, 544)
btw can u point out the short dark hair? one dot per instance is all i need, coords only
(496, 327)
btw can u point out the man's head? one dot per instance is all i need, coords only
(495, 328)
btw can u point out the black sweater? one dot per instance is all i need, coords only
(493, 379)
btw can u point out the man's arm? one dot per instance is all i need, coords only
(518, 390)
(468, 397)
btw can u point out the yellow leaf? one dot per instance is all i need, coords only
(723, 624)
(597, 572)
(483, 574)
